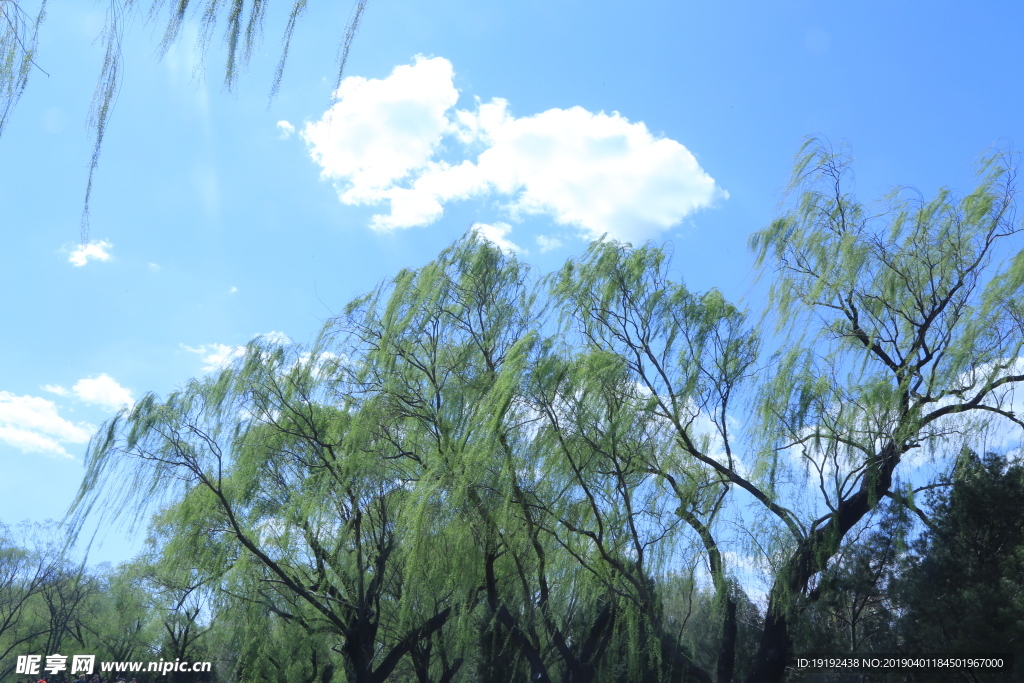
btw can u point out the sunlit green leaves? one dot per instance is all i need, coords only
(470, 467)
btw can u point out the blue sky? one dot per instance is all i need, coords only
(216, 217)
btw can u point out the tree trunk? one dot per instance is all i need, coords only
(812, 556)
(770, 663)
(727, 653)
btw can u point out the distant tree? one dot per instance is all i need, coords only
(24, 571)
(50, 604)
(695, 613)
(63, 599)
(120, 621)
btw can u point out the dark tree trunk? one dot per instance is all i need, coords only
(727, 653)
(770, 665)
(812, 556)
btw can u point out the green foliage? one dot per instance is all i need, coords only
(961, 589)
(243, 28)
(473, 473)
(902, 335)
(19, 33)
(697, 613)
(954, 590)
(49, 604)
(23, 573)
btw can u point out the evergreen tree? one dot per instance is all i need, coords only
(961, 590)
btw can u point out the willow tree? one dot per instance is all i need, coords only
(476, 474)
(279, 481)
(904, 330)
(688, 356)
(19, 34)
(399, 486)
(243, 28)
(326, 482)
(123, 620)
(466, 383)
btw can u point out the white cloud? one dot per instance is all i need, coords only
(216, 356)
(548, 243)
(325, 360)
(286, 129)
(154, 267)
(597, 172)
(993, 431)
(233, 290)
(383, 141)
(219, 356)
(273, 337)
(379, 131)
(55, 389)
(93, 251)
(31, 424)
(28, 441)
(496, 235)
(103, 391)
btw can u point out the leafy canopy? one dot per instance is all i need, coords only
(475, 470)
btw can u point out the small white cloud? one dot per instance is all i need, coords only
(273, 337)
(219, 356)
(496, 235)
(103, 391)
(93, 251)
(154, 267)
(383, 139)
(548, 243)
(233, 290)
(216, 356)
(323, 360)
(32, 425)
(56, 389)
(286, 129)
